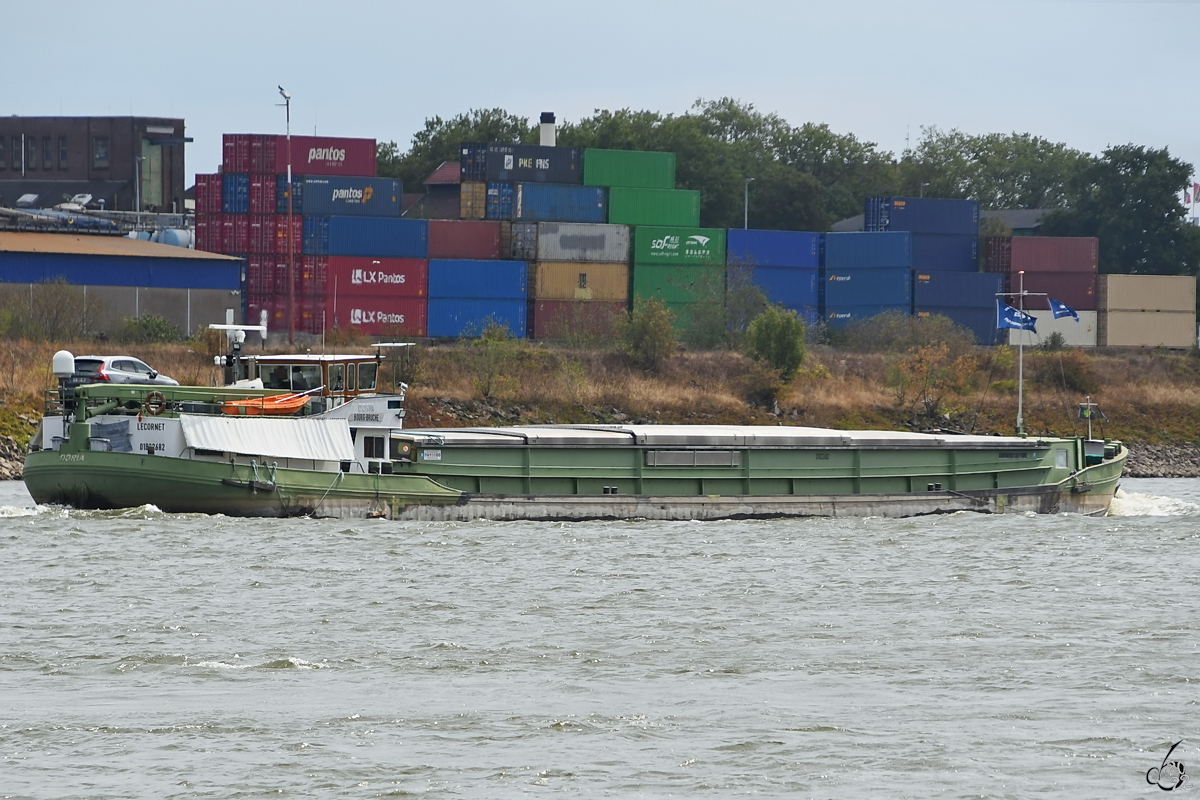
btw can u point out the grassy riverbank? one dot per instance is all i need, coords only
(1148, 396)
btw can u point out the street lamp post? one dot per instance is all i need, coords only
(923, 185)
(746, 204)
(291, 271)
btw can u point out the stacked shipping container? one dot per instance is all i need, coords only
(578, 277)
(1060, 268)
(784, 264)
(945, 232)
(865, 274)
(682, 267)
(1147, 311)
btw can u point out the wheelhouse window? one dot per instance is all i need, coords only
(17, 149)
(31, 161)
(373, 447)
(3, 161)
(337, 377)
(100, 152)
(62, 152)
(47, 152)
(366, 377)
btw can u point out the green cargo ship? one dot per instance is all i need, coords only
(347, 454)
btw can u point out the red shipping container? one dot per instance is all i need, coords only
(281, 242)
(560, 319)
(325, 155)
(309, 275)
(1043, 254)
(204, 195)
(262, 154)
(381, 277)
(464, 238)
(262, 194)
(260, 277)
(236, 156)
(377, 316)
(209, 232)
(1076, 289)
(262, 233)
(235, 234)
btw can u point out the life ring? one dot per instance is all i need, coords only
(155, 403)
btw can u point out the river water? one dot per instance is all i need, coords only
(177, 656)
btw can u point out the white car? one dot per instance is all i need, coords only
(118, 369)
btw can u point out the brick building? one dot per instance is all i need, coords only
(56, 158)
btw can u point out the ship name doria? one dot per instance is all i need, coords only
(431, 455)
(70, 457)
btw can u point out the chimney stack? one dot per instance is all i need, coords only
(547, 131)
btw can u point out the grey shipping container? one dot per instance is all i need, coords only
(524, 241)
(578, 241)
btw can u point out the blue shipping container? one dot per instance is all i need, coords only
(941, 253)
(457, 317)
(235, 194)
(499, 201)
(838, 316)
(484, 280)
(281, 200)
(922, 215)
(980, 321)
(866, 250)
(867, 287)
(472, 162)
(956, 289)
(366, 236)
(552, 202)
(792, 287)
(360, 197)
(772, 248)
(95, 270)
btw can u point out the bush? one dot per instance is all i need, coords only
(149, 329)
(648, 335)
(776, 336)
(897, 332)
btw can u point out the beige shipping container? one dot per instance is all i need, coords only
(1075, 334)
(1146, 293)
(472, 200)
(559, 280)
(1147, 329)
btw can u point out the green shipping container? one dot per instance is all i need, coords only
(678, 208)
(685, 314)
(684, 246)
(678, 284)
(635, 169)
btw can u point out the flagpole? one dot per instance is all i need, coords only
(1021, 363)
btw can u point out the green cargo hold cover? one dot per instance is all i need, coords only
(635, 169)
(674, 207)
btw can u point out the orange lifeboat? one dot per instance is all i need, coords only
(280, 405)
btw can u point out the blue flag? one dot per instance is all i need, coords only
(1062, 310)
(1009, 317)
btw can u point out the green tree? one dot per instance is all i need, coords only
(648, 335)
(148, 329)
(776, 336)
(440, 141)
(1129, 198)
(1017, 170)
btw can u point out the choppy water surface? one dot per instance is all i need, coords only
(160, 656)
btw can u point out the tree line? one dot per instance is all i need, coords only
(807, 177)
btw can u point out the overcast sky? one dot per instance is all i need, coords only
(1088, 74)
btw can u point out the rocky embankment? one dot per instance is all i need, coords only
(12, 458)
(1163, 461)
